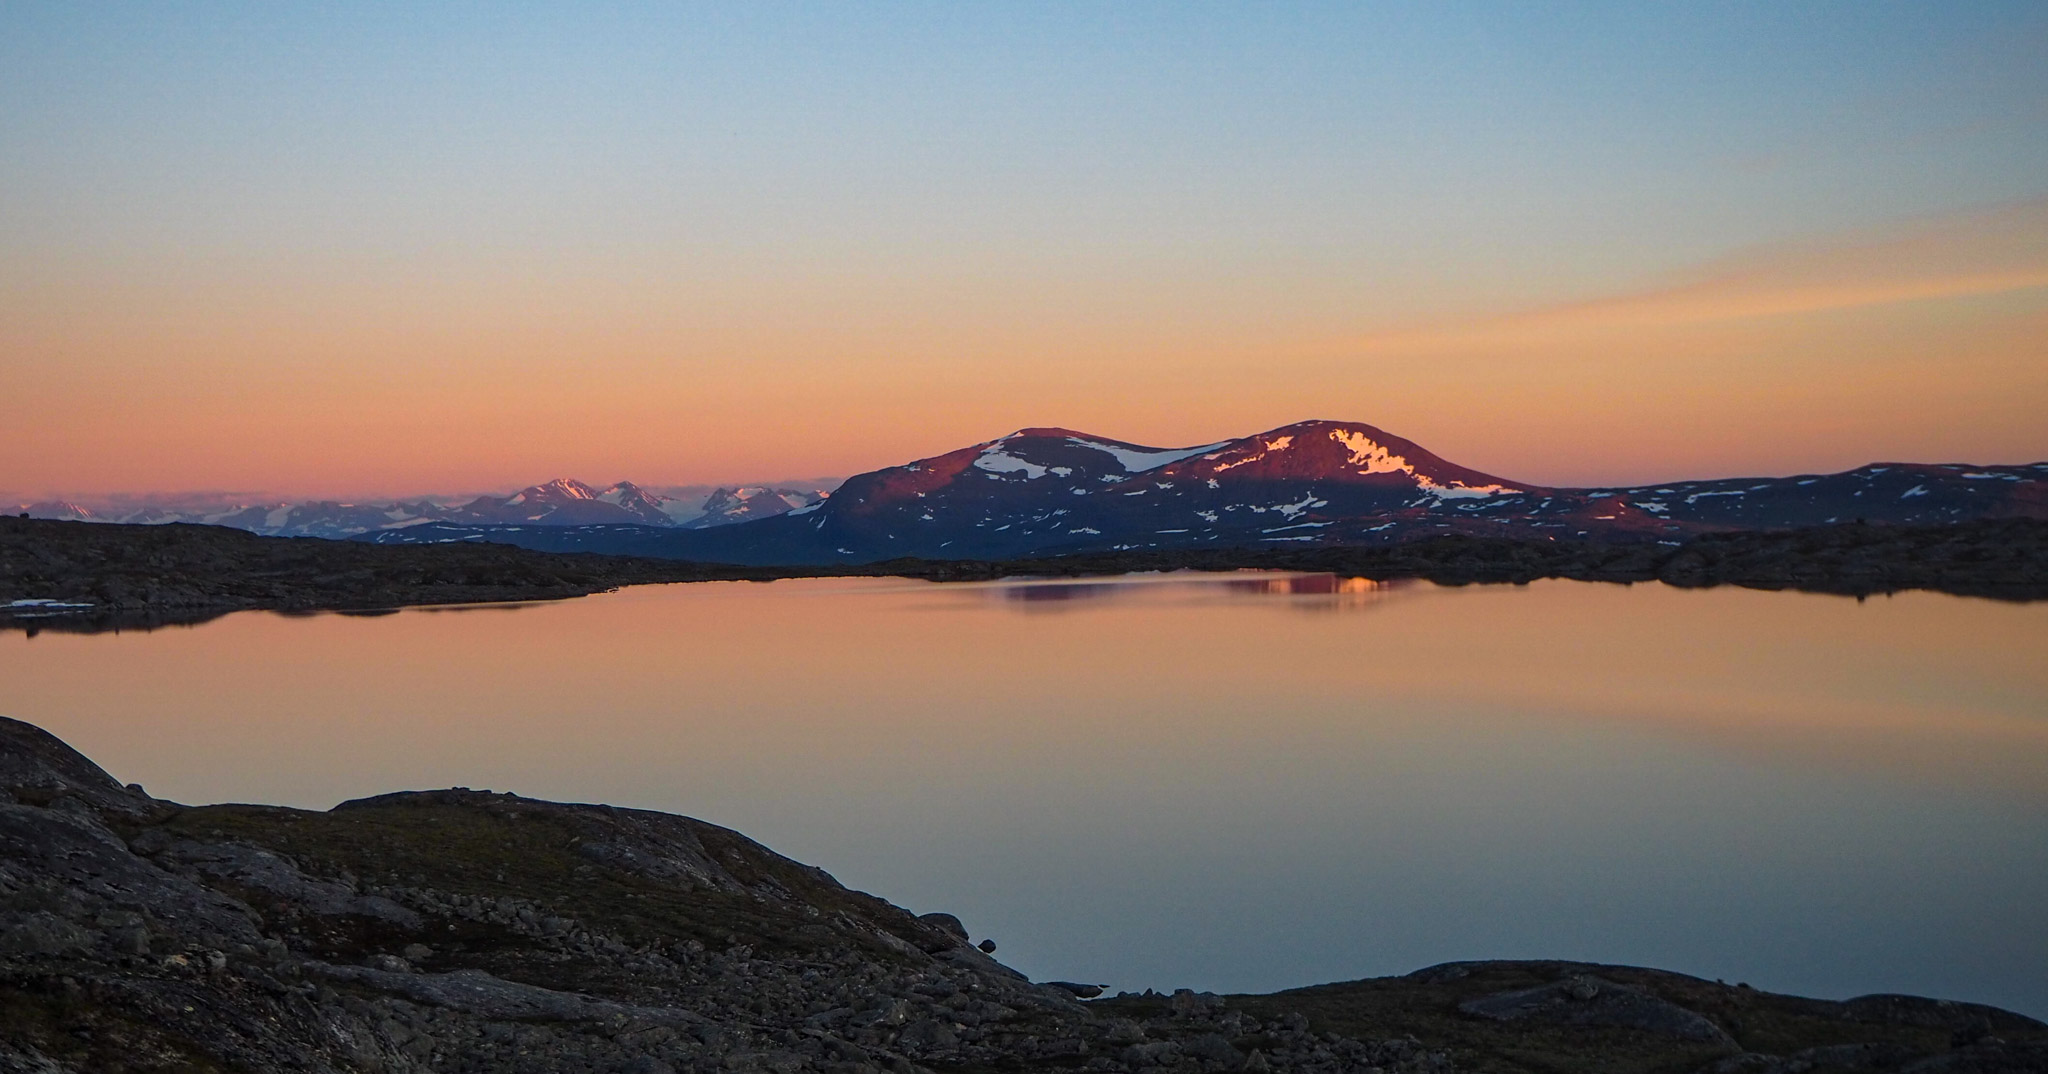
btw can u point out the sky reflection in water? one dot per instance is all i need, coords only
(1219, 781)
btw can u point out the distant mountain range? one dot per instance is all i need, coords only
(561, 502)
(1055, 491)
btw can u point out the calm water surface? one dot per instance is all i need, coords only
(1231, 783)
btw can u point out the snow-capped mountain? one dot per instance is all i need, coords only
(57, 509)
(1042, 488)
(746, 503)
(561, 502)
(566, 502)
(1048, 491)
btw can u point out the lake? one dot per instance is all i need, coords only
(1227, 782)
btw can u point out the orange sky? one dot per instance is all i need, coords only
(1929, 345)
(373, 259)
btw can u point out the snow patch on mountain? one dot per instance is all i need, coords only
(1459, 490)
(1372, 457)
(1290, 510)
(997, 461)
(1135, 460)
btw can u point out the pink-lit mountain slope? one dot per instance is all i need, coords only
(1050, 491)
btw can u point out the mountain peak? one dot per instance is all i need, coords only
(746, 503)
(567, 486)
(1042, 432)
(1049, 490)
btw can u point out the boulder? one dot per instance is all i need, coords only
(1585, 1000)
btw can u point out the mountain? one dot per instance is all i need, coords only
(747, 503)
(57, 509)
(561, 502)
(565, 502)
(1046, 491)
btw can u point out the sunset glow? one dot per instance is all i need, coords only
(368, 251)
(1130, 537)
(1067, 758)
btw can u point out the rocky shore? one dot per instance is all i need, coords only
(95, 576)
(460, 930)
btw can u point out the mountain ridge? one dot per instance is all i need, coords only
(1050, 490)
(560, 501)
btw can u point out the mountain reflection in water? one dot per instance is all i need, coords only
(1314, 592)
(1182, 780)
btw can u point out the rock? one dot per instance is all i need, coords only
(263, 870)
(42, 934)
(1986, 1057)
(1080, 991)
(892, 1013)
(1443, 973)
(479, 993)
(1152, 1053)
(1588, 1001)
(946, 923)
(976, 962)
(1123, 1031)
(765, 1062)
(37, 768)
(130, 940)
(927, 1035)
(986, 947)
(1213, 1051)
(689, 948)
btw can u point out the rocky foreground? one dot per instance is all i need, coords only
(79, 576)
(462, 930)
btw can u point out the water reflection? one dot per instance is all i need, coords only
(1307, 592)
(1183, 780)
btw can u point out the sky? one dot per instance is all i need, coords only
(357, 249)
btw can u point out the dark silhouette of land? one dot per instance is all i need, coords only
(97, 576)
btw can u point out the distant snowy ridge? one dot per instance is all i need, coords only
(560, 502)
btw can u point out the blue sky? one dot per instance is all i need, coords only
(1143, 176)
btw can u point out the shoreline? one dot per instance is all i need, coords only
(91, 577)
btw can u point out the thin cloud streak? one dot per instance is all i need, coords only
(1981, 253)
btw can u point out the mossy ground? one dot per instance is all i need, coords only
(531, 854)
